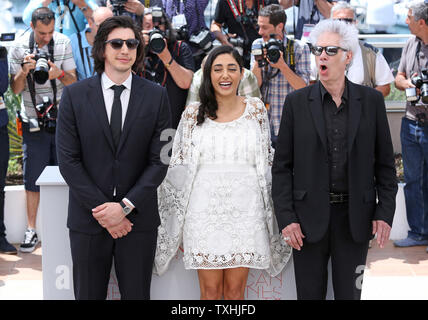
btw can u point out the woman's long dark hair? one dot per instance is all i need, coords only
(100, 38)
(209, 106)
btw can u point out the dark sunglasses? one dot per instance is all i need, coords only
(329, 50)
(347, 20)
(117, 44)
(43, 16)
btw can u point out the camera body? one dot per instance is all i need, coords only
(118, 6)
(420, 82)
(156, 40)
(202, 40)
(182, 33)
(273, 48)
(249, 18)
(46, 117)
(41, 71)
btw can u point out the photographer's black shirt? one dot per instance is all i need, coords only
(155, 71)
(224, 16)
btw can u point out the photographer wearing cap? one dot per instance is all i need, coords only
(71, 16)
(168, 62)
(412, 76)
(280, 65)
(240, 19)
(41, 64)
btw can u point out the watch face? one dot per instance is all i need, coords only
(127, 210)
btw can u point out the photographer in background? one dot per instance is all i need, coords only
(71, 16)
(240, 19)
(281, 65)
(412, 76)
(40, 78)
(5, 246)
(130, 8)
(168, 62)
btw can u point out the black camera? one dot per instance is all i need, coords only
(249, 18)
(118, 6)
(157, 16)
(421, 82)
(202, 40)
(273, 48)
(182, 33)
(46, 115)
(156, 40)
(257, 51)
(41, 71)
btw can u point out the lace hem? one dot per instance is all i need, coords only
(212, 261)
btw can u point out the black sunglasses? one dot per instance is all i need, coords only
(43, 16)
(329, 50)
(347, 20)
(117, 44)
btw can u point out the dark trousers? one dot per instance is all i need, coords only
(92, 257)
(347, 259)
(4, 160)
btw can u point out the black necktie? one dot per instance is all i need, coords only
(116, 115)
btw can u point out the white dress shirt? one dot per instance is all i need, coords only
(108, 94)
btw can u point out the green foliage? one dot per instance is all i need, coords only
(395, 94)
(13, 103)
(14, 167)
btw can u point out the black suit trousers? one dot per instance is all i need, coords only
(348, 259)
(92, 257)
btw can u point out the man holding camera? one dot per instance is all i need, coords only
(41, 64)
(71, 16)
(281, 67)
(240, 19)
(412, 76)
(168, 62)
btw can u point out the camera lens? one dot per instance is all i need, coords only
(424, 93)
(156, 42)
(41, 72)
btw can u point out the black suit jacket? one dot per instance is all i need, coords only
(92, 167)
(300, 172)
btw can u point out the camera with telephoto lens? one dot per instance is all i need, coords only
(118, 6)
(156, 40)
(46, 115)
(421, 82)
(41, 71)
(202, 40)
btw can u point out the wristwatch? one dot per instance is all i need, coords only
(126, 210)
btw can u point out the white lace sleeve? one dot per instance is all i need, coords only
(280, 250)
(174, 191)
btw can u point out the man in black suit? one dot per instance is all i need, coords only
(334, 156)
(108, 142)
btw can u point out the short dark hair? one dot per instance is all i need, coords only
(105, 28)
(209, 106)
(43, 14)
(275, 13)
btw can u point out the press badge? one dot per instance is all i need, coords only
(178, 21)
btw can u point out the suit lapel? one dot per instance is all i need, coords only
(315, 106)
(354, 113)
(135, 102)
(97, 105)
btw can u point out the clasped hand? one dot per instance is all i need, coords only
(110, 216)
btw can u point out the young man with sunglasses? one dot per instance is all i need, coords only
(333, 174)
(368, 66)
(38, 141)
(109, 146)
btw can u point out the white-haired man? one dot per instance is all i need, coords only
(333, 159)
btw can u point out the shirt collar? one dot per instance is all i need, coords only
(324, 91)
(107, 82)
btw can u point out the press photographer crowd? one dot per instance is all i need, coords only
(125, 70)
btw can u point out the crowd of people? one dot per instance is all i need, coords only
(276, 152)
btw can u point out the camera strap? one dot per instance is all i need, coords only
(289, 54)
(30, 81)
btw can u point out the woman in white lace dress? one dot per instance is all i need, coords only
(215, 199)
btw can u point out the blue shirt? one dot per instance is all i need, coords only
(67, 22)
(85, 67)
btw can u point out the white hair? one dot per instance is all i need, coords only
(419, 10)
(342, 5)
(348, 34)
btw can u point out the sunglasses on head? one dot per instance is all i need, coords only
(347, 20)
(118, 43)
(43, 16)
(329, 50)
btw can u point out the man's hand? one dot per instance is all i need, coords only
(79, 3)
(108, 214)
(120, 230)
(54, 71)
(165, 55)
(293, 235)
(28, 64)
(134, 6)
(383, 230)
